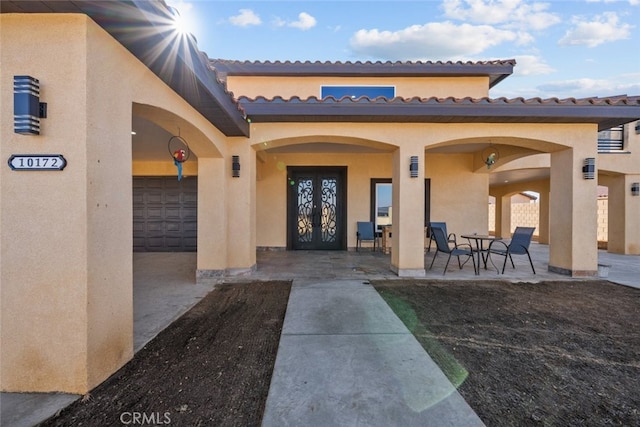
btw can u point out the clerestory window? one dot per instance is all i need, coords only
(358, 91)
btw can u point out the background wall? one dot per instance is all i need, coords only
(528, 214)
(455, 191)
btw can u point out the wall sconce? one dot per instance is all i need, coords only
(235, 166)
(589, 168)
(413, 167)
(27, 108)
(635, 189)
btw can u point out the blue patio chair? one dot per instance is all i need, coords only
(519, 245)
(442, 245)
(451, 237)
(365, 233)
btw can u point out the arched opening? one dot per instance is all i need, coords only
(165, 218)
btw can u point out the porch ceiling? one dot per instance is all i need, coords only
(518, 176)
(150, 142)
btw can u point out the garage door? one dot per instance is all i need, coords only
(165, 214)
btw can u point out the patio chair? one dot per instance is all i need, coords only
(519, 245)
(451, 237)
(442, 245)
(365, 233)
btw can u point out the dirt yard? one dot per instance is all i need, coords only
(552, 354)
(211, 367)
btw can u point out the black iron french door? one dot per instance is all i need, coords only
(316, 208)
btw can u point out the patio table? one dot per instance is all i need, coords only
(480, 249)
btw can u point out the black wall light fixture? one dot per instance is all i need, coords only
(413, 167)
(635, 189)
(589, 168)
(27, 108)
(235, 166)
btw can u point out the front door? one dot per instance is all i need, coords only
(316, 200)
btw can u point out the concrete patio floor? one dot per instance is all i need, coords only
(162, 293)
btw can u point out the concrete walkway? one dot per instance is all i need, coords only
(360, 350)
(345, 359)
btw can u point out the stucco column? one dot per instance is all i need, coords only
(504, 205)
(407, 251)
(67, 270)
(212, 218)
(543, 215)
(241, 209)
(573, 245)
(623, 211)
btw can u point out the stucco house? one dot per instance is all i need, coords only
(281, 156)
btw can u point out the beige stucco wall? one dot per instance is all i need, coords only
(272, 190)
(66, 283)
(66, 236)
(406, 87)
(456, 191)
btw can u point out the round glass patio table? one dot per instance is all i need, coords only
(483, 253)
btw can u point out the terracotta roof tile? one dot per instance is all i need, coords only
(496, 70)
(618, 100)
(605, 112)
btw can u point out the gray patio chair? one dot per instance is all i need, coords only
(451, 237)
(365, 233)
(519, 245)
(442, 245)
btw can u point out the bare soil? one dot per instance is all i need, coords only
(546, 354)
(211, 367)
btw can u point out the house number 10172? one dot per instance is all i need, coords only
(37, 162)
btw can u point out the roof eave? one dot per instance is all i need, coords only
(605, 117)
(496, 71)
(190, 77)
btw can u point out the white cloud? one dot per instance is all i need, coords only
(508, 13)
(602, 29)
(246, 18)
(586, 87)
(304, 22)
(631, 2)
(432, 41)
(529, 65)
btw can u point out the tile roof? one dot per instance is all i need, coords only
(212, 99)
(496, 70)
(606, 112)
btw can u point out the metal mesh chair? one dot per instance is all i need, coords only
(519, 245)
(442, 245)
(451, 237)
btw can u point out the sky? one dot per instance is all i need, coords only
(563, 49)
